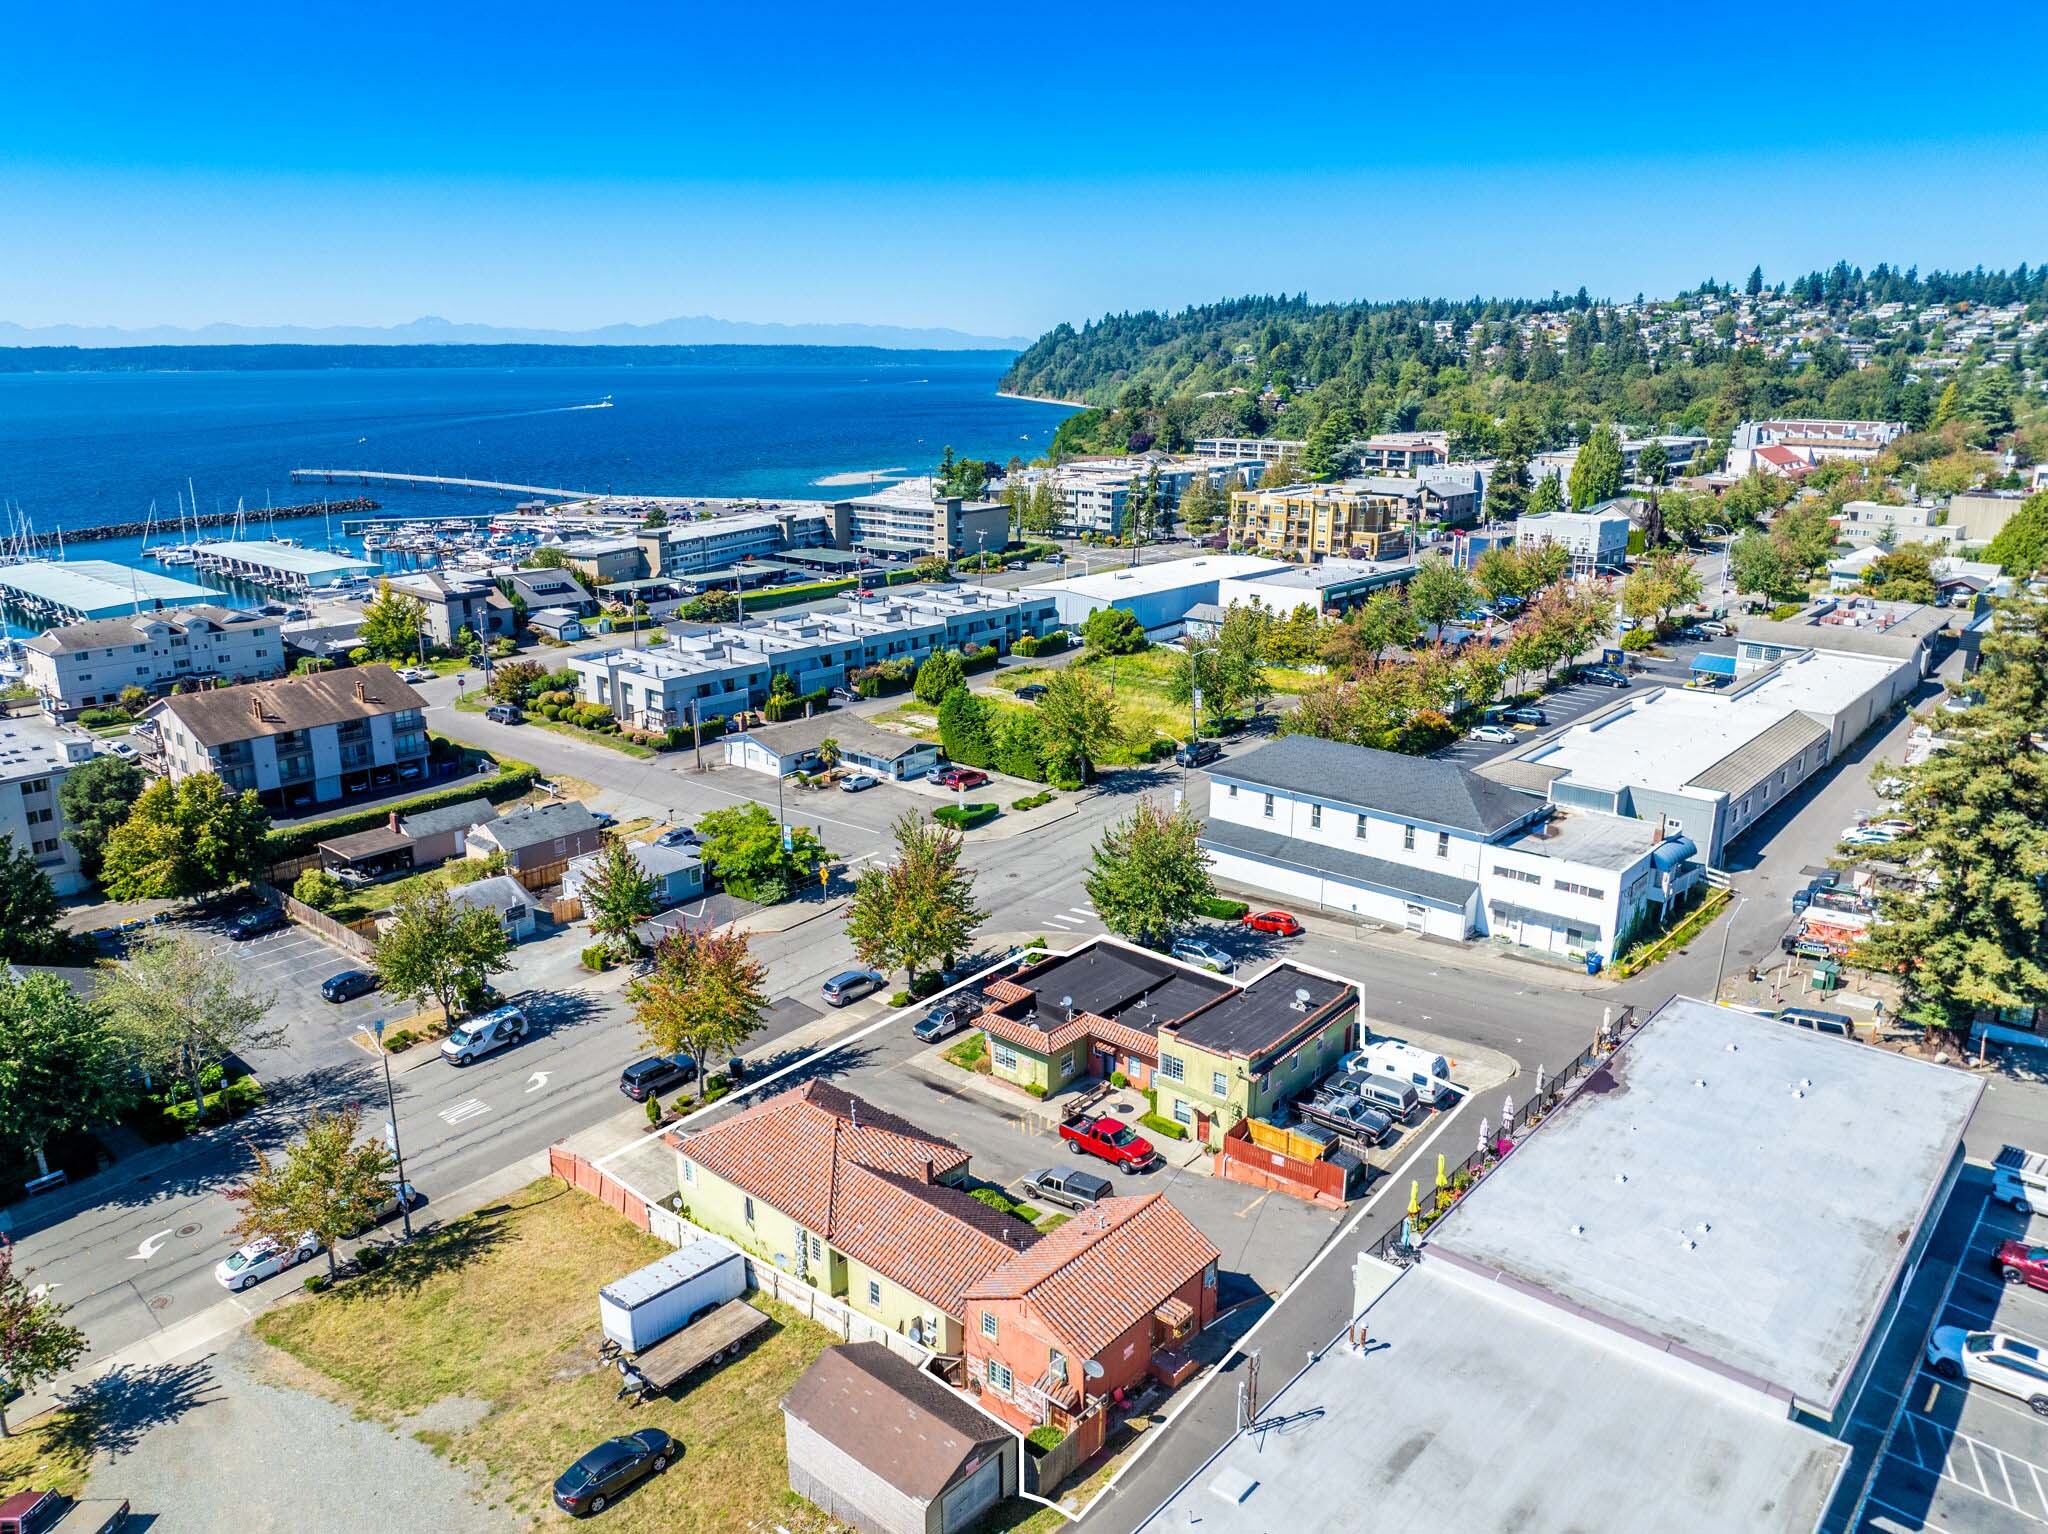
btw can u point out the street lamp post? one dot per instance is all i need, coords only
(1721, 971)
(391, 1106)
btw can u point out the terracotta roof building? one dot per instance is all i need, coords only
(861, 1203)
(1090, 1310)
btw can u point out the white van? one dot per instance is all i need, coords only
(481, 1036)
(2020, 1178)
(1428, 1073)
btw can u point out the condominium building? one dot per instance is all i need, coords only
(1264, 449)
(1310, 521)
(910, 519)
(451, 603)
(1812, 441)
(1597, 538)
(1400, 452)
(715, 672)
(35, 756)
(87, 665)
(1096, 492)
(298, 741)
(716, 543)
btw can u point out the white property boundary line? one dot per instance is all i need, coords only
(1209, 1376)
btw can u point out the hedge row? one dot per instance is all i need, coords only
(795, 706)
(1051, 644)
(965, 817)
(511, 780)
(983, 659)
(786, 596)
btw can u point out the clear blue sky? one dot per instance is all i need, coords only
(991, 168)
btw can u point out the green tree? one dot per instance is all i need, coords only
(711, 607)
(1761, 565)
(62, 1068)
(134, 699)
(658, 517)
(1596, 471)
(1439, 591)
(1906, 574)
(1503, 572)
(1113, 631)
(966, 728)
(1359, 643)
(2021, 547)
(1548, 496)
(1970, 936)
(1076, 721)
(185, 838)
(1047, 511)
(180, 1007)
(939, 675)
(328, 1182)
(36, 1343)
(1805, 534)
(1204, 506)
(1755, 285)
(706, 994)
(918, 911)
(1149, 875)
(28, 906)
(1988, 402)
(1507, 491)
(1652, 463)
(318, 888)
(545, 558)
(617, 896)
(392, 623)
(517, 680)
(743, 847)
(437, 949)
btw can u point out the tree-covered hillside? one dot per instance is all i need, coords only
(1825, 344)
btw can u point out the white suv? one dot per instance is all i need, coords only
(1994, 1359)
(481, 1036)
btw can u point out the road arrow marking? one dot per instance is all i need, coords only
(536, 1081)
(149, 1247)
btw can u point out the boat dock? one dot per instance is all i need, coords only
(442, 481)
(78, 589)
(279, 566)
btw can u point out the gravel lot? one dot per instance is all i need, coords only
(188, 1444)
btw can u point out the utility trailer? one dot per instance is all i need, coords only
(710, 1339)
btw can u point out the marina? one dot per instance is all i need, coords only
(77, 589)
(279, 566)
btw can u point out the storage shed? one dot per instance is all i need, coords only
(882, 1446)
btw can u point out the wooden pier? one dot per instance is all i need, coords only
(423, 481)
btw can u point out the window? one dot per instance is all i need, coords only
(875, 1293)
(1181, 1112)
(988, 1325)
(1443, 844)
(1000, 1378)
(817, 1247)
(1315, 817)
(1067, 1063)
(1520, 874)
(1570, 888)
(1219, 1085)
(1407, 838)
(690, 1172)
(1006, 1057)
(1269, 806)
(1362, 823)
(1171, 1068)
(1056, 1363)
(750, 1211)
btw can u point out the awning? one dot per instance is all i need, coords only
(1176, 1315)
(1715, 665)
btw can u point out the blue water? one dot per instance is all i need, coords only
(86, 448)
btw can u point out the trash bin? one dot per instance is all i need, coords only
(1592, 964)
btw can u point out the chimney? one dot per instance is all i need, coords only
(362, 691)
(256, 706)
(393, 822)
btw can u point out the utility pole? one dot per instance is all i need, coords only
(391, 1128)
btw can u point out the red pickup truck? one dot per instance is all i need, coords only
(51, 1512)
(1111, 1140)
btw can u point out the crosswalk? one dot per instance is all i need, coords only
(1075, 917)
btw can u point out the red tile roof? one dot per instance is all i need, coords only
(1102, 1272)
(1083, 1025)
(932, 1240)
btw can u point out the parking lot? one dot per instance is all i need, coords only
(291, 964)
(1961, 1455)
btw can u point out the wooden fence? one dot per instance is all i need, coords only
(348, 939)
(1258, 1166)
(585, 1178)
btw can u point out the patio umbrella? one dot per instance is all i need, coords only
(1539, 1083)
(1414, 1199)
(1485, 1134)
(1441, 1180)
(1507, 1114)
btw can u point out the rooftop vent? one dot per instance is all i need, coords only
(1578, 1230)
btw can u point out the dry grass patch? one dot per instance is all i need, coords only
(51, 1453)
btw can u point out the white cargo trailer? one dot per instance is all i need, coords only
(662, 1298)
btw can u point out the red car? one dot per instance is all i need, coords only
(1273, 921)
(2018, 1263)
(962, 777)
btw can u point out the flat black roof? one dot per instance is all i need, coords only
(1111, 981)
(1261, 1015)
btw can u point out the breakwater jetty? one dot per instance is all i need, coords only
(356, 503)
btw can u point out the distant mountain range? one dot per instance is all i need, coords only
(686, 330)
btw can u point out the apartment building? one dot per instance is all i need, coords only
(35, 756)
(909, 520)
(1310, 521)
(544, 589)
(716, 543)
(715, 672)
(298, 741)
(1868, 522)
(88, 665)
(451, 603)
(1400, 452)
(1264, 449)
(1597, 538)
(1097, 492)
(1811, 441)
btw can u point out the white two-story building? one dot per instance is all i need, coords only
(1423, 845)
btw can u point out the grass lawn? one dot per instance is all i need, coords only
(500, 1308)
(971, 1053)
(54, 1451)
(372, 898)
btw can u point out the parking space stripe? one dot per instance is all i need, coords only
(2006, 1473)
(1918, 1521)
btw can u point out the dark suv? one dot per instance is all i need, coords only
(348, 985)
(656, 1074)
(1198, 753)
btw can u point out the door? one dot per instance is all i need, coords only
(973, 1496)
(1415, 918)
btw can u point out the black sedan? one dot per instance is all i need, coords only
(611, 1469)
(348, 985)
(657, 1073)
(255, 923)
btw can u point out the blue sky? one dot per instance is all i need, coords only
(988, 168)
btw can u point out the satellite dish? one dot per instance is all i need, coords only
(1091, 1368)
(1066, 1001)
(1301, 994)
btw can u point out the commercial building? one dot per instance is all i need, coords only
(451, 603)
(90, 664)
(1708, 765)
(298, 741)
(715, 672)
(717, 542)
(1096, 492)
(1157, 595)
(909, 519)
(76, 590)
(1981, 515)
(280, 566)
(1657, 1313)
(1429, 847)
(1903, 633)
(781, 749)
(863, 1205)
(35, 757)
(1596, 537)
(1812, 441)
(1329, 585)
(1868, 522)
(879, 1445)
(1399, 452)
(1310, 521)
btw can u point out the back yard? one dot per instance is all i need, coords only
(492, 1323)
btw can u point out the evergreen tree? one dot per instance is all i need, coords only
(939, 675)
(1755, 285)
(617, 896)
(2021, 547)
(966, 729)
(1596, 471)
(28, 906)
(1548, 496)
